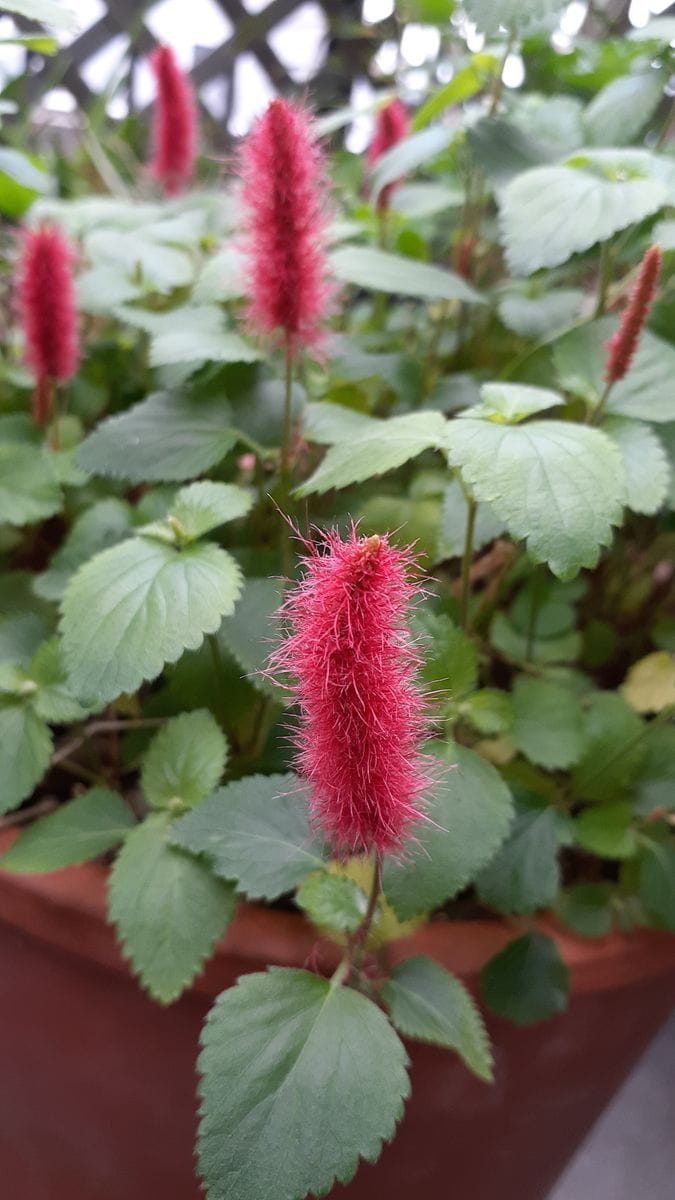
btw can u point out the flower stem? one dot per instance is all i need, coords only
(604, 278)
(465, 588)
(596, 414)
(285, 462)
(496, 94)
(360, 937)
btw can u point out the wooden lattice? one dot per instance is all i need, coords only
(348, 52)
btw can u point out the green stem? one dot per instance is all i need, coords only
(595, 416)
(285, 465)
(382, 227)
(604, 278)
(465, 588)
(496, 94)
(359, 939)
(80, 772)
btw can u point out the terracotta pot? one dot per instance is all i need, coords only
(97, 1098)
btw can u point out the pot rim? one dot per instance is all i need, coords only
(67, 910)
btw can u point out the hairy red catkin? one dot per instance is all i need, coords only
(174, 123)
(352, 667)
(284, 210)
(622, 345)
(44, 290)
(391, 126)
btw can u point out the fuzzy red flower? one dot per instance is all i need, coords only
(284, 201)
(622, 345)
(44, 288)
(352, 667)
(174, 126)
(391, 126)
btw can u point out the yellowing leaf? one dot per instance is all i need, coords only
(650, 684)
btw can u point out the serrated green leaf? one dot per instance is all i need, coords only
(380, 271)
(450, 657)
(429, 1004)
(104, 524)
(53, 700)
(387, 446)
(645, 464)
(489, 711)
(256, 832)
(273, 1047)
(330, 423)
(618, 112)
(186, 346)
(201, 507)
(523, 16)
(168, 908)
(585, 908)
(184, 761)
(524, 875)
(645, 392)
(470, 810)
(137, 606)
(551, 212)
(614, 747)
(527, 981)
(249, 634)
(511, 403)
(548, 724)
(606, 829)
(76, 831)
(164, 438)
(557, 485)
(657, 882)
(25, 748)
(332, 902)
(453, 523)
(29, 488)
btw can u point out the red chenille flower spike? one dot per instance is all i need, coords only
(44, 289)
(391, 126)
(622, 345)
(174, 123)
(352, 667)
(284, 204)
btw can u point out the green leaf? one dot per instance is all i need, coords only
(489, 711)
(551, 212)
(188, 346)
(645, 464)
(159, 268)
(645, 393)
(25, 748)
(522, 16)
(166, 437)
(184, 761)
(465, 82)
(137, 606)
(388, 445)
(53, 700)
(249, 634)
(540, 315)
(524, 875)
(556, 484)
(510, 641)
(469, 812)
(527, 981)
(168, 908)
(20, 168)
(332, 902)
(649, 686)
(201, 507)
(654, 786)
(614, 747)
(503, 150)
(415, 201)
(407, 155)
(450, 657)
(453, 523)
(585, 907)
(256, 832)
(606, 829)
(29, 488)
(657, 882)
(511, 403)
(76, 831)
(429, 1004)
(330, 423)
(548, 724)
(379, 271)
(299, 1079)
(618, 112)
(47, 12)
(104, 524)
